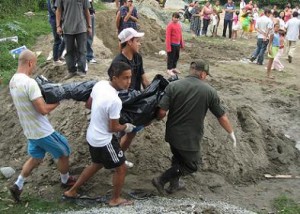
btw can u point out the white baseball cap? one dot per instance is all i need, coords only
(129, 33)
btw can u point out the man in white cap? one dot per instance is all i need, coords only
(130, 45)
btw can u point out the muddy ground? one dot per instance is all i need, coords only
(265, 115)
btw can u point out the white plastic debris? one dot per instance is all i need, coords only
(7, 172)
(12, 39)
(162, 53)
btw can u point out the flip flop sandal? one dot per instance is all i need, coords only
(140, 194)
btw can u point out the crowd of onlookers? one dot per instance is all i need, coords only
(276, 29)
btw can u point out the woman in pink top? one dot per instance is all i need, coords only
(174, 42)
(287, 13)
(207, 11)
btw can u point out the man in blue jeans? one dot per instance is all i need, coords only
(229, 9)
(75, 26)
(89, 50)
(263, 27)
(58, 45)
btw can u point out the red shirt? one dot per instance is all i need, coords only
(173, 35)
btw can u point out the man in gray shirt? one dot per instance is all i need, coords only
(73, 20)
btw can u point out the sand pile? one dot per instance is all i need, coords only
(261, 149)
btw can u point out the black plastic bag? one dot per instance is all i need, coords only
(139, 108)
(55, 92)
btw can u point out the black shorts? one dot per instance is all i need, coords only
(111, 155)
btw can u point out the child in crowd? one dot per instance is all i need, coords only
(273, 48)
(277, 65)
(255, 15)
(174, 41)
(235, 25)
(214, 22)
(246, 24)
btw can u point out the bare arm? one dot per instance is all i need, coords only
(87, 17)
(89, 102)
(58, 16)
(224, 122)
(42, 107)
(270, 43)
(128, 15)
(132, 18)
(118, 18)
(145, 81)
(115, 126)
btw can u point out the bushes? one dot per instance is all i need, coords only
(16, 6)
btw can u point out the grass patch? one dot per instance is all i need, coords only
(285, 205)
(99, 5)
(32, 204)
(27, 29)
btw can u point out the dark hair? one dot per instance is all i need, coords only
(281, 32)
(267, 11)
(283, 14)
(117, 68)
(176, 15)
(123, 45)
(275, 14)
(295, 14)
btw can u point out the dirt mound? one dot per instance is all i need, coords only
(152, 42)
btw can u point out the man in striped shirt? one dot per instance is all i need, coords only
(32, 111)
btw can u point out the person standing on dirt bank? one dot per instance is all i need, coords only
(104, 147)
(130, 45)
(229, 9)
(42, 138)
(127, 16)
(174, 41)
(187, 101)
(90, 38)
(292, 35)
(74, 21)
(59, 44)
(263, 27)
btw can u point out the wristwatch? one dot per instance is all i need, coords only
(89, 26)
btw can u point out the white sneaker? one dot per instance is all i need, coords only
(128, 164)
(50, 56)
(59, 63)
(93, 61)
(86, 67)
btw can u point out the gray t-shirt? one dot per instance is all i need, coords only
(188, 101)
(229, 15)
(74, 21)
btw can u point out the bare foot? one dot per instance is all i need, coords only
(120, 202)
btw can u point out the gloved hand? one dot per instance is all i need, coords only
(232, 138)
(129, 127)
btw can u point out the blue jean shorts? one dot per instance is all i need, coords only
(56, 144)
